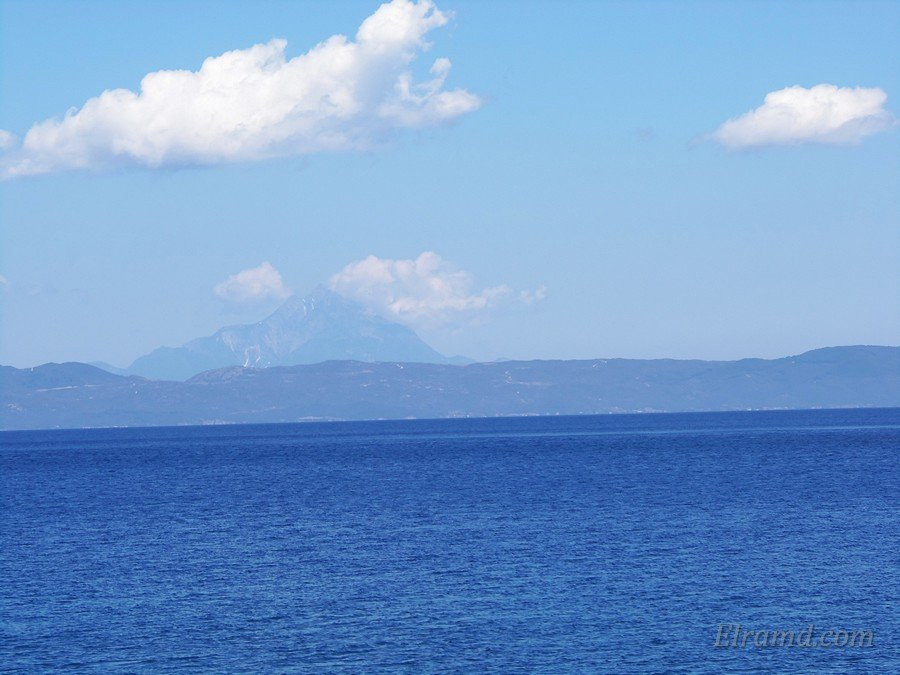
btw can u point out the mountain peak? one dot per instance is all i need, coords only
(320, 299)
(320, 326)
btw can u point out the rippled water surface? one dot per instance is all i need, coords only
(615, 543)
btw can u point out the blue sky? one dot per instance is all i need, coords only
(577, 193)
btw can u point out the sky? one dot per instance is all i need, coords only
(511, 179)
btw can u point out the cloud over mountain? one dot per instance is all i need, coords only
(821, 114)
(424, 292)
(256, 103)
(253, 285)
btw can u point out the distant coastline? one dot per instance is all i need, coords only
(568, 420)
(77, 395)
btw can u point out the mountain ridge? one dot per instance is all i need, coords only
(84, 396)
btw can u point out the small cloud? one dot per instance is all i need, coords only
(425, 292)
(24, 289)
(822, 114)
(256, 103)
(531, 297)
(252, 285)
(7, 139)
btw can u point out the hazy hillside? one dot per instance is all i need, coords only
(75, 395)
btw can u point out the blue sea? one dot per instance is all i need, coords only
(616, 543)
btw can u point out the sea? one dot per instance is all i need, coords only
(618, 543)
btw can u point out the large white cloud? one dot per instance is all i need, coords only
(821, 114)
(253, 285)
(255, 103)
(426, 292)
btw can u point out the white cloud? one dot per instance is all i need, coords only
(255, 103)
(7, 139)
(253, 285)
(424, 292)
(822, 114)
(531, 297)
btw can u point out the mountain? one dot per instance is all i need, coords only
(78, 395)
(109, 368)
(322, 326)
(54, 376)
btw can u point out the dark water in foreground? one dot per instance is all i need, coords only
(615, 543)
